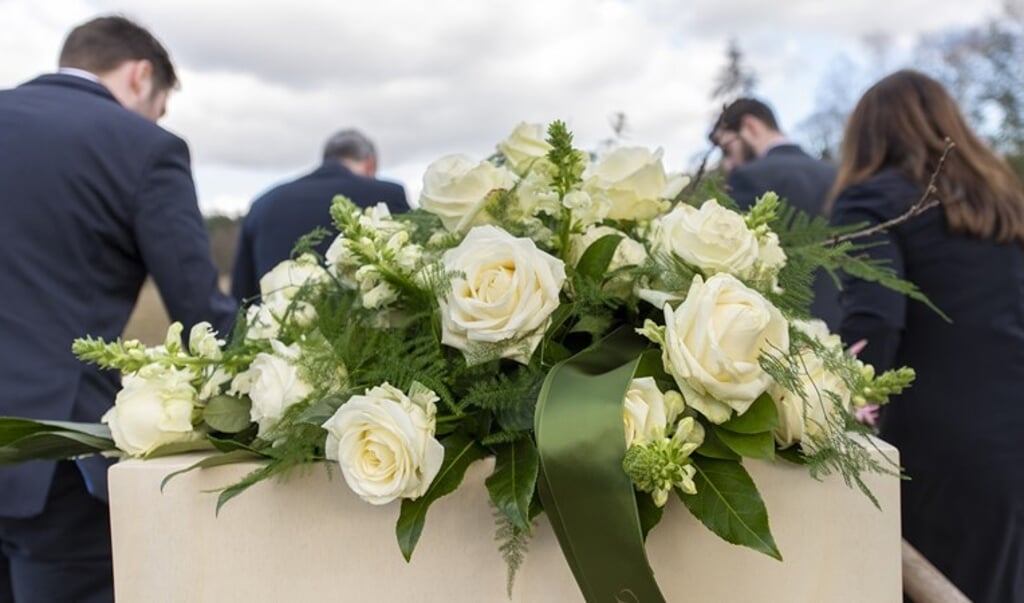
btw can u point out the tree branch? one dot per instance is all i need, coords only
(692, 185)
(922, 205)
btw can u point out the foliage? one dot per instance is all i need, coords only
(406, 335)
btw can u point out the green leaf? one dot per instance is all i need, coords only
(318, 413)
(235, 456)
(650, 365)
(756, 446)
(16, 427)
(27, 439)
(555, 352)
(230, 445)
(227, 414)
(597, 257)
(728, 503)
(251, 479)
(792, 455)
(459, 453)
(594, 324)
(760, 417)
(650, 513)
(512, 484)
(713, 447)
(53, 446)
(179, 448)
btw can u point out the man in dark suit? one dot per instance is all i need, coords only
(279, 217)
(94, 196)
(759, 158)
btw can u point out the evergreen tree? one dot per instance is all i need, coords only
(736, 79)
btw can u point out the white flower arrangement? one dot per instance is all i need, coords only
(530, 283)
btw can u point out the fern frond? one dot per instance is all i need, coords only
(512, 544)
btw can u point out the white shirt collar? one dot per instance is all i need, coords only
(86, 75)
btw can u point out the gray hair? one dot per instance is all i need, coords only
(349, 144)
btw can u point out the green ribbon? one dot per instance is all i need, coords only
(586, 494)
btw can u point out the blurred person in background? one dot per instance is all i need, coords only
(279, 217)
(759, 158)
(94, 196)
(960, 428)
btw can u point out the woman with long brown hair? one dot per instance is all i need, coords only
(960, 428)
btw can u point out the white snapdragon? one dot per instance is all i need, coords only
(587, 209)
(373, 242)
(535, 193)
(203, 342)
(214, 378)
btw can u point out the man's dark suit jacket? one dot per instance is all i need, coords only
(279, 217)
(92, 198)
(804, 183)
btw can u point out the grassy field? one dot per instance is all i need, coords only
(149, 321)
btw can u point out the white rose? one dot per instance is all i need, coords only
(506, 296)
(203, 342)
(525, 144)
(713, 341)
(817, 329)
(634, 182)
(647, 412)
(711, 238)
(275, 384)
(278, 289)
(285, 279)
(507, 293)
(456, 186)
(384, 442)
(811, 419)
(153, 408)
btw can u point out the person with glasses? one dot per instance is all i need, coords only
(759, 158)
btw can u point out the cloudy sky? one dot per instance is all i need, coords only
(265, 83)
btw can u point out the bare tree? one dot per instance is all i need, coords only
(736, 79)
(619, 125)
(983, 67)
(836, 95)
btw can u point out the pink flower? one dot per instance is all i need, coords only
(867, 414)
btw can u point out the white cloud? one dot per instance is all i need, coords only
(840, 18)
(265, 84)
